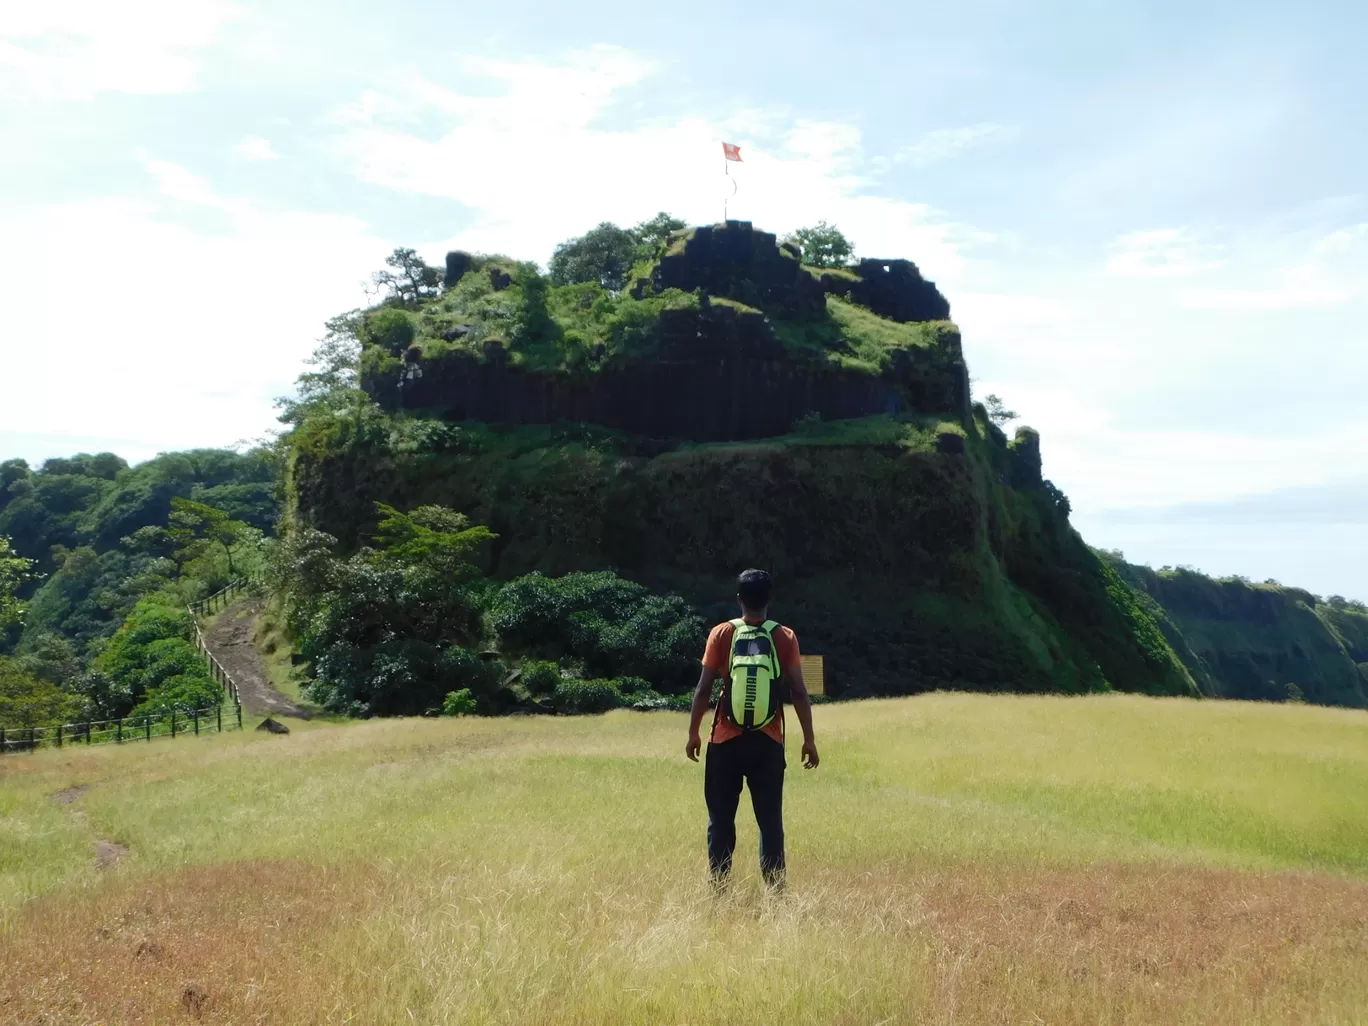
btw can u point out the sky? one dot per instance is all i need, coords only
(1151, 220)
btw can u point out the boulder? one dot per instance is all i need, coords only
(457, 263)
(950, 443)
(1026, 465)
(893, 289)
(735, 261)
(273, 726)
(500, 279)
(495, 351)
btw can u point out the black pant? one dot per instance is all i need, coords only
(759, 760)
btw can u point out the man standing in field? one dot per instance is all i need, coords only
(758, 661)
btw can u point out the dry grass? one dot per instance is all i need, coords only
(441, 943)
(956, 859)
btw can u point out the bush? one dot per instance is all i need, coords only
(616, 627)
(604, 255)
(459, 703)
(632, 685)
(586, 696)
(390, 329)
(153, 664)
(645, 701)
(541, 678)
(26, 701)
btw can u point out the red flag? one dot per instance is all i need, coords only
(732, 152)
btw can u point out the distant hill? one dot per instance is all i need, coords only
(1266, 641)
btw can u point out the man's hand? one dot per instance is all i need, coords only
(695, 743)
(810, 759)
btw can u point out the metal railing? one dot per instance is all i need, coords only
(216, 670)
(220, 599)
(128, 728)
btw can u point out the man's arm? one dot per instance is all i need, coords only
(802, 708)
(701, 699)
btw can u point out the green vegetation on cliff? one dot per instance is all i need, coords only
(914, 545)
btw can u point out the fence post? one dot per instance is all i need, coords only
(87, 731)
(59, 735)
(239, 712)
(173, 722)
(195, 716)
(2, 740)
(33, 741)
(218, 716)
(119, 739)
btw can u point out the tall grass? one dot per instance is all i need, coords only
(963, 859)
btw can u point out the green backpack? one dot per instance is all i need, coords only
(752, 695)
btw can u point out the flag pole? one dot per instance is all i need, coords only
(726, 170)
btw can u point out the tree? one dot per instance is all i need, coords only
(651, 235)
(434, 536)
(150, 664)
(824, 245)
(333, 385)
(194, 526)
(997, 410)
(411, 279)
(26, 701)
(604, 254)
(14, 571)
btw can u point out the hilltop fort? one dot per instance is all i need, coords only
(726, 405)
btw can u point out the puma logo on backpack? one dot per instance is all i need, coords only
(752, 695)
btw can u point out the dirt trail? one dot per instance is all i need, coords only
(230, 639)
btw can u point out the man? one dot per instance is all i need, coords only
(747, 739)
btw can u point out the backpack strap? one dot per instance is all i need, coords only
(769, 627)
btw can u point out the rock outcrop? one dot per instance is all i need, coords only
(719, 369)
(738, 262)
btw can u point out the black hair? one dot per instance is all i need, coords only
(753, 589)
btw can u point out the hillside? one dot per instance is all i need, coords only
(1267, 641)
(98, 560)
(731, 407)
(956, 858)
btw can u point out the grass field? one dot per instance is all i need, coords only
(955, 859)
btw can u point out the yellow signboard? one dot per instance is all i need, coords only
(814, 675)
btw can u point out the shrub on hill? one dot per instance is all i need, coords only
(14, 571)
(586, 696)
(617, 627)
(459, 703)
(153, 664)
(27, 701)
(388, 629)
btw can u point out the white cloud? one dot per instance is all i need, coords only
(947, 143)
(537, 161)
(78, 48)
(1167, 253)
(1331, 272)
(168, 337)
(255, 148)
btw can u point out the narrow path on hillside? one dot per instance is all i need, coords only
(230, 639)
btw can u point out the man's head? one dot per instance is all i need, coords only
(753, 590)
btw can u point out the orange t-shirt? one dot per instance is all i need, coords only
(717, 657)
